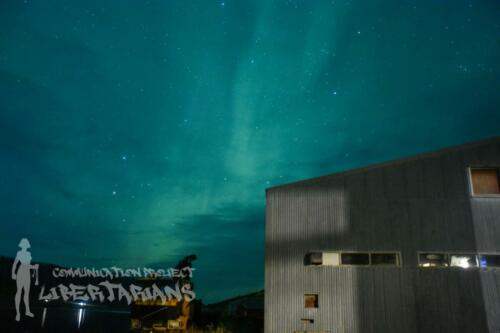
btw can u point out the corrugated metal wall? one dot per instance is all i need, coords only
(415, 205)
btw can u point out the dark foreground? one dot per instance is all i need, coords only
(66, 320)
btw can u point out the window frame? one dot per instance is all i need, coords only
(309, 254)
(355, 252)
(317, 300)
(471, 184)
(487, 254)
(475, 255)
(446, 257)
(399, 258)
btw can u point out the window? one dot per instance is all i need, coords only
(331, 258)
(489, 260)
(460, 260)
(307, 321)
(322, 258)
(485, 181)
(463, 260)
(432, 260)
(313, 259)
(311, 301)
(352, 259)
(385, 259)
(355, 258)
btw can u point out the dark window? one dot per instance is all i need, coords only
(463, 260)
(314, 258)
(355, 259)
(391, 259)
(432, 260)
(485, 181)
(489, 260)
(310, 301)
(307, 321)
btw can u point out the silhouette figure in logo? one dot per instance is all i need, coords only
(23, 277)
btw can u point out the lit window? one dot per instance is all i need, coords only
(331, 258)
(322, 258)
(355, 259)
(489, 260)
(313, 259)
(432, 260)
(310, 301)
(485, 181)
(387, 259)
(463, 260)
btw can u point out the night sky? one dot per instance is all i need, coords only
(133, 133)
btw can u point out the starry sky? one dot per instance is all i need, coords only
(133, 133)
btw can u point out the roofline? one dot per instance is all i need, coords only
(235, 298)
(387, 163)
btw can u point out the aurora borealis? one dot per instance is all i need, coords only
(138, 132)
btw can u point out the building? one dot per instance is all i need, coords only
(242, 314)
(406, 246)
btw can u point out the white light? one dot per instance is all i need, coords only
(462, 262)
(80, 315)
(44, 315)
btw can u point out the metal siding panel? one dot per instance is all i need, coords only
(433, 178)
(455, 179)
(486, 215)
(490, 281)
(460, 228)
(415, 179)
(396, 183)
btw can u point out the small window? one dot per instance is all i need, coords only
(463, 260)
(489, 260)
(355, 259)
(388, 259)
(331, 258)
(307, 321)
(485, 181)
(311, 301)
(313, 259)
(432, 260)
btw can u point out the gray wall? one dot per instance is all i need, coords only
(420, 204)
